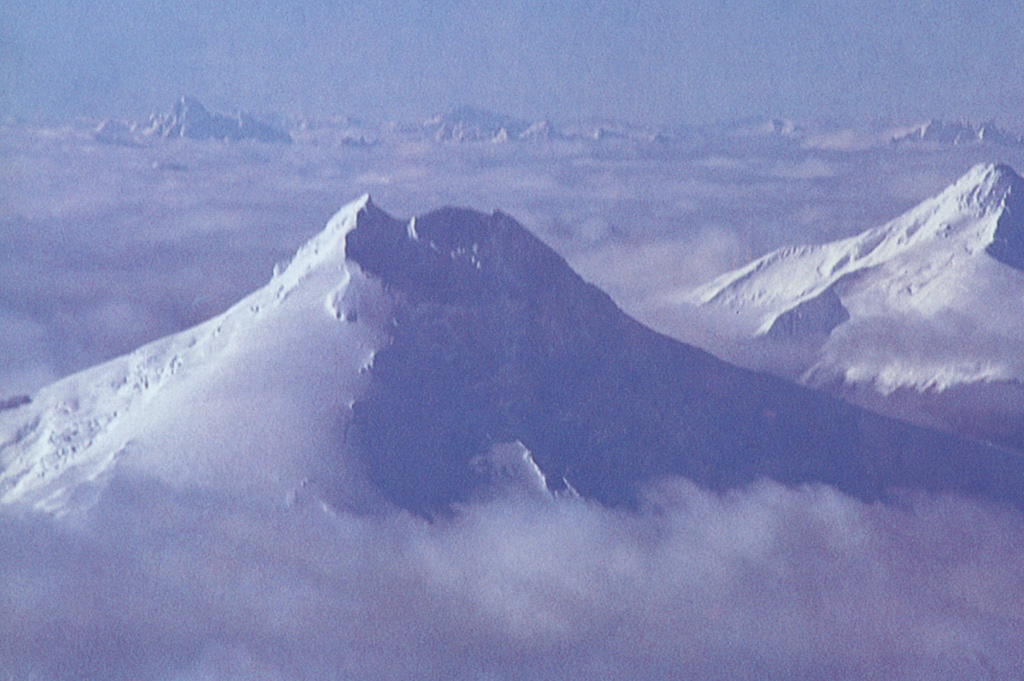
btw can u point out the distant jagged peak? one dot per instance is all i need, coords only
(477, 116)
(960, 132)
(188, 103)
(472, 124)
(539, 130)
(189, 118)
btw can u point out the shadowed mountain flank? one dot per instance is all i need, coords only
(1008, 239)
(495, 340)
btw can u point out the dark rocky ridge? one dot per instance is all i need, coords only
(496, 340)
(811, 318)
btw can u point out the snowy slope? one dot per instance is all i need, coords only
(922, 317)
(241, 401)
(957, 256)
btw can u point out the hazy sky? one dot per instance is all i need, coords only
(652, 61)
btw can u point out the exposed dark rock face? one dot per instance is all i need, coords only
(497, 340)
(14, 402)
(814, 317)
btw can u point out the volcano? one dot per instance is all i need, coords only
(424, 363)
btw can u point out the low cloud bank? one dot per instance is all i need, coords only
(766, 583)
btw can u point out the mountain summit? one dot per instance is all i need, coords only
(912, 259)
(411, 362)
(926, 303)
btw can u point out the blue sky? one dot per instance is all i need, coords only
(654, 61)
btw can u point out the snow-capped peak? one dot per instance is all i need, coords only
(979, 214)
(326, 247)
(955, 259)
(249, 386)
(386, 358)
(985, 186)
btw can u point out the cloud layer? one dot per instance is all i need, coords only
(766, 583)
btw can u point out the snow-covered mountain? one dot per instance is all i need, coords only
(957, 133)
(422, 362)
(189, 118)
(249, 399)
(930, 302)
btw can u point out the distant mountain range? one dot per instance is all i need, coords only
(188, 118)
(958, 133)
(469, 124)
(921, 317)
